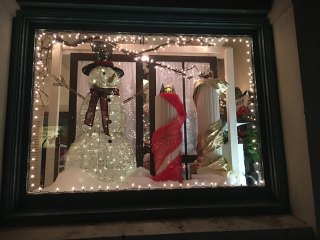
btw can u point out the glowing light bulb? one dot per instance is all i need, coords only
(145, 58)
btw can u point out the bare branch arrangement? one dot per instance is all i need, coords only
(46, 40)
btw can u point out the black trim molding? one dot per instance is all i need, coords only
(248, 6)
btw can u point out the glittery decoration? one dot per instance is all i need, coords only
(218, 84)
(103, 77)
(107, 158)
(212, 139)
(167, 89)
(102, 50)
(166, 140)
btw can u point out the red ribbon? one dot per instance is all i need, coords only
(166, 139)
(102, 95)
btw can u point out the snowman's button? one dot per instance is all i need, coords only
(109, 141)
(109, 121)
(109, 99)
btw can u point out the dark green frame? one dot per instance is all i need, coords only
(17, 206)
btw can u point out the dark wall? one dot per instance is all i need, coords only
(258, 5)
(307, 19)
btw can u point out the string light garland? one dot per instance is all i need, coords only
(137, 187)
(45, 40)
(251, 142)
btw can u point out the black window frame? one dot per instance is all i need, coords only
(17, 205)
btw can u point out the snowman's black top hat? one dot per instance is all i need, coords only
(103, 51)
(104, 63)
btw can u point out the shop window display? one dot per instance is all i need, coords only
(144, 112)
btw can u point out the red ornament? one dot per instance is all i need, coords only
(242, 111)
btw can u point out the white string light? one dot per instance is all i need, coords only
(133, 186)
(43, 53)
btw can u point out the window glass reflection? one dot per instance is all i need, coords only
(127, 112)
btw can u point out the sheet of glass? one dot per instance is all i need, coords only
(84, 138)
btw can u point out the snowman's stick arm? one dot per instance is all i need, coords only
(135, 95)
(63, 83)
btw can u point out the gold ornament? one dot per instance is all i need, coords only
(167, 89)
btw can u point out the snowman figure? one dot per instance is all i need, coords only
(101, 148)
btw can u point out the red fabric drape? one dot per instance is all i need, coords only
(166, 139)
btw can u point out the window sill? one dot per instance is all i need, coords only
(248, 227)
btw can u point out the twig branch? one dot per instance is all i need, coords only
(41, 100)
(77, 42)
(179, 71)
(156, 48)
(135, 55)
(43, 92)
(63, 83)
(135, 95)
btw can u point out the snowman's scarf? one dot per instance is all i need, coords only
(102, 95)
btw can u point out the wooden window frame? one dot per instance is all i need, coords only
(17, 205)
